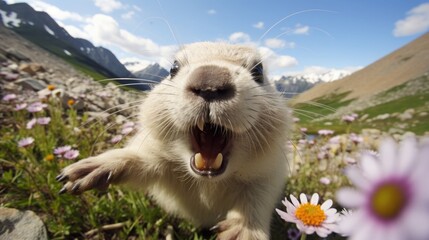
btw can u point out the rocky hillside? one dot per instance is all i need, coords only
(41, 29)
(404, 64)
(26, 68)
(391, 95)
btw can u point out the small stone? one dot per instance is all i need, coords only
(16, 224)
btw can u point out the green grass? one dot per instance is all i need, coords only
(309, 113)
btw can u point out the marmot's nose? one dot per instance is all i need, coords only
(212, 83)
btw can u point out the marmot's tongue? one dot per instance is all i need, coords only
(209, 145)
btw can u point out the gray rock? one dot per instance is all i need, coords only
(15, 224)
(17, 56)
(31, 84)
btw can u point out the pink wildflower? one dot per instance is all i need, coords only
(25, 142)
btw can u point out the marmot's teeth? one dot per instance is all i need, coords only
(199, 161)
(218, 161)
(200, 124)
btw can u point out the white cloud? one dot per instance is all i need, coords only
(211, 12)
(75, 31)
(108, 6)
(104, 30)
(128, 15)
(278, 43)
(135, 64)
(275, 61)
(299, 29)
(259, 25)
(417, 21)
(239, 37)
(319, 70)
(55, 12)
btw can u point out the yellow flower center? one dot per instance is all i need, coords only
(49, 157)
(388, 201)
(70, 102)
(310, 214)
(51, 87)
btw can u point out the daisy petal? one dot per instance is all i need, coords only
(356, 176)
(414, 219)
(407, 154)
(350, 198)
(322, 232)
(285, 216)
(365, 232)
(303, 198)
(294, 200)
(388, 156)
(326, 205)
(314, 199)
(370, 167)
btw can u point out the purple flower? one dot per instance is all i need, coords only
(43, 120)
(25, 142)
(126, 131)
(71, 154)
(293, 234)
(356, 138)
(31, 123)
(325, 132)
(9, 97)
(116, 139)
(128, 124)
(348, 118)
(61, 150)
(36, 107)
(390, 196)
(325, 180)
(20, 106)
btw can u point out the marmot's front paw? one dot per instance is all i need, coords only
(235, 229)
(90, 173)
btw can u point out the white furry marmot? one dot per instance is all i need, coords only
(212, 144)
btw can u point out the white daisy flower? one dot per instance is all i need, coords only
(310, 217)
(391, 196)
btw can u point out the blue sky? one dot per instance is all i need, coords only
(318, 35)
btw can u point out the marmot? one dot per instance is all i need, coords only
(212, 144)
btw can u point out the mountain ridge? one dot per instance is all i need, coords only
(402, 65)
(32, 20)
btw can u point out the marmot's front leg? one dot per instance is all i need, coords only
(249, 219)
(112, 167)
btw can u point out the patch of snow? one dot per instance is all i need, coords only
(49, 30)
(82, 49)
(10, 20)
(31, 23)
(67, 52)
(135, 64)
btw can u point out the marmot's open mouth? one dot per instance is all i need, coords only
(211, 144)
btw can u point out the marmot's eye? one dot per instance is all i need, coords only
(258, 73)
(175, 68)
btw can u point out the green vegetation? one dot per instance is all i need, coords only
(27, 179)
(309, 113)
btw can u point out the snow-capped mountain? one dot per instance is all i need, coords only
(292, 85)
(328, 75)
(152, 72)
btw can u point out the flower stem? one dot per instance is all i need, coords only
(303, 236)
